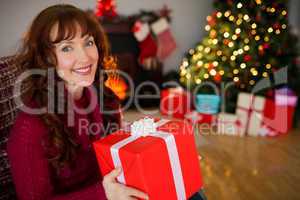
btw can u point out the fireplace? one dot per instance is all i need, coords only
(126, 48)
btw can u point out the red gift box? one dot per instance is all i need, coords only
(146, 160)
(278, 117)
(196, 117)
(279, 112)
(175, 102)
(202, 122)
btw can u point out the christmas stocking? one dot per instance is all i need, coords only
(165, 40)
(147, 44)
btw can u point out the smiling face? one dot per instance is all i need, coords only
(77, 58)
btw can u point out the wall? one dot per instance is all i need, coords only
(16, 16)
(187, 26)
(188, 21)
(294, 16)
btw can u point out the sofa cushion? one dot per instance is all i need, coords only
(9, 71)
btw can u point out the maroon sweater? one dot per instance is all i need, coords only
(33, 176)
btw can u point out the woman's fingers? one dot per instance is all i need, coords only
(115, 190)
(136, 193)
(110, 177)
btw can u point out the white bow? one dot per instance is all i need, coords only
(143, 127)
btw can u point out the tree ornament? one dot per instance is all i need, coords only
(229, 2)
(226, 41)
(258, 17)
(276, 25)
(261, 50)
(211, 19)
(106, 8)
(218, 78)
(266, 45)
(210, 66)
(247, 58)
(213, 33)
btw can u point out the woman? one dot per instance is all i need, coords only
(50, 153)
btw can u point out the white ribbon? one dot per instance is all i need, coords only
(285, 100)
(147, 127)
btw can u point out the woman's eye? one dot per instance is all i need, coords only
(66, 49)
(90, 43)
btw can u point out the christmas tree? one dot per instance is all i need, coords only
(106, 8)
(247, 40)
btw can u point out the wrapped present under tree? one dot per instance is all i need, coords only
(250, 113)
(279, 112)
(175, 102)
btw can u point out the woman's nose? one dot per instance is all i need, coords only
(82, 55)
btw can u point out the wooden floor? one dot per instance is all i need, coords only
(248, 168)
(251, 168)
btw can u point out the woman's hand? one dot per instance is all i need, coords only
(117, 191)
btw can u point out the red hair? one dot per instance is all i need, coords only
(38, 53)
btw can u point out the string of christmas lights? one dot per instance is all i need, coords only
(243, 42)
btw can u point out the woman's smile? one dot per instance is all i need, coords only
(86, 70)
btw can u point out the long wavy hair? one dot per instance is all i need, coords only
(38, 52)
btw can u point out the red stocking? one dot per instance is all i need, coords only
(147, 44)
(165, 40)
